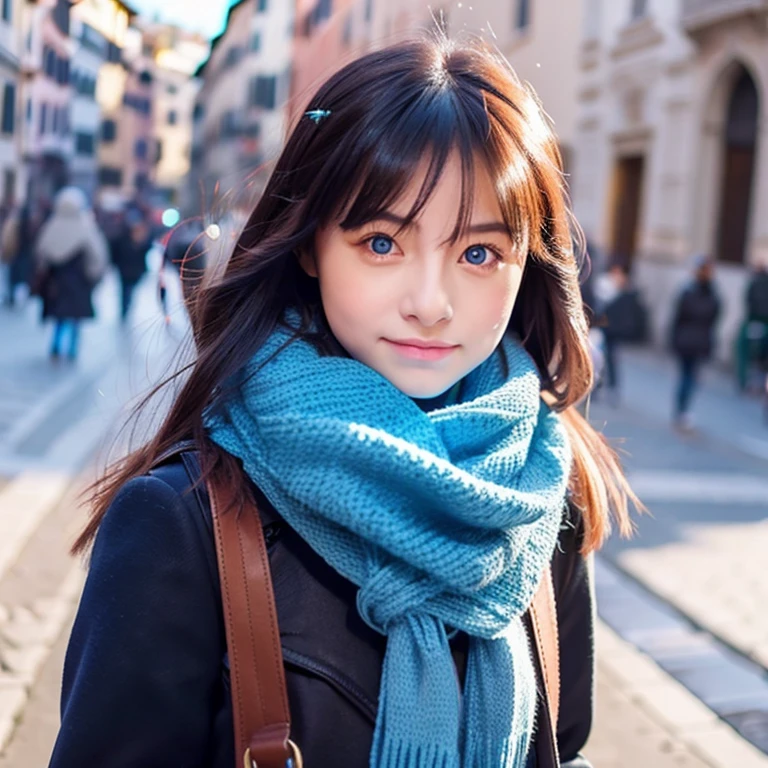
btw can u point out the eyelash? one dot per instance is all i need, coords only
(497, 256)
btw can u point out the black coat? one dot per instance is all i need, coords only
(693, 326)
(66, 290)
(146, 680)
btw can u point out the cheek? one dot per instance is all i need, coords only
(349, 299)
(493, 310)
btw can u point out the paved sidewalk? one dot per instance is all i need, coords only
(647, 381)
(712, 571)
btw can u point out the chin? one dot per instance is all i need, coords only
(423, 390)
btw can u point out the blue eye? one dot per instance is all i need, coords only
(476, 255)
(381, 245)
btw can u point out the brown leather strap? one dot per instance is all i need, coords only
(544, 622)
(259, 699)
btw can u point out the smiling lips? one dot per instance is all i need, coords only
(418, 349)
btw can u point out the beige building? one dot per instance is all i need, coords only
(670, 159)
(177, 55)
(241, 107)
(98, 29)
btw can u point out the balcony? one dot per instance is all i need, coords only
(699, 15)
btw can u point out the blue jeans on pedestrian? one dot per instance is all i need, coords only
(64, 328)
(689, 375)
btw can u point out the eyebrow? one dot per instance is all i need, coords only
(475, 229)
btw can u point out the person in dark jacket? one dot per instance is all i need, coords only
(71, 258)
(376, 374)
(757, 295)
(129, 255)
(693, 331)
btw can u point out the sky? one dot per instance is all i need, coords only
(206, 16)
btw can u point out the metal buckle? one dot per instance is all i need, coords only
(295, 761)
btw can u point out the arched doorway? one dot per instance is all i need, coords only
(740, 131)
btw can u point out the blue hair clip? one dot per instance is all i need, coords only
(318, 115)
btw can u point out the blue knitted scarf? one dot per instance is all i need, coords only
(445, 520)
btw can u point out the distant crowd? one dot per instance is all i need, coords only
(60, 252)
(619, 317)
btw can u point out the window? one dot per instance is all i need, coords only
(323, 10)
(62, 71)
(110, 177)
(145, 78)
(7, 9)
(85, 144)
(158, 151)
(262, 6)
(523, 14)
(114, 54)
(29, 110)
(141, 181)
(368, 10)
(9, 108)
(64, 121)
(346, 35)
(639, 8)
(140, 149)
(43, 118)
(173, 117)
(9, 186)
(263, 91)
(61, 16)
(172, 89)
(256, 42)
(108, 130)
(49, 62)
(198, 112)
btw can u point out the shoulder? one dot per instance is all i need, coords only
(157, 518)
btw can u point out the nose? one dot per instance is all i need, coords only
(427, 296)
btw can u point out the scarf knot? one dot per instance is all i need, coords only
(443, 519)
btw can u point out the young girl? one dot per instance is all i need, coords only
(388, 366)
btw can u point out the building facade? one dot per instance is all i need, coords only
(241, 106)
(98, 31)
(46, 143)
(177, 56)
(670, 157)
(12, 177)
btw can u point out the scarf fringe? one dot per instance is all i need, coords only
(395, 753)
(484, 754)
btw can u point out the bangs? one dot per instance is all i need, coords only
(406, 127)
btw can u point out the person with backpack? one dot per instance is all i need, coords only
(70, 260)
(374, 466)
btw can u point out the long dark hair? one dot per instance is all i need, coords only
(389, 110)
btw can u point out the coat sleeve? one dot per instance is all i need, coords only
(145, 655)
(574, 592)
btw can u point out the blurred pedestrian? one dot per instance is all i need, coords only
(18, 235)
(692, 335)
(757, 294)
(622, 318)
(752, 341)
(186, 250)
(70, 258)
(129, 255)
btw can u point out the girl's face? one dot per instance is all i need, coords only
(421, 311)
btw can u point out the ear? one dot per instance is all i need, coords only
(307, 262)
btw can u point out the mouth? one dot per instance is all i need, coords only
(420, 349)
